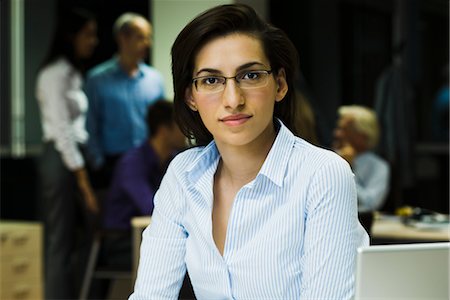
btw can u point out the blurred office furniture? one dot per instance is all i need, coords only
(138, 224)
(432, 174)
(411, 271)
(392, 229)
(95, 270)
(22, 272)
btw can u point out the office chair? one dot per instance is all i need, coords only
(95, 270)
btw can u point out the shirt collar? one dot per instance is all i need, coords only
(274, 167)
(209, 155)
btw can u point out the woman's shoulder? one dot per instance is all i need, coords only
(186, 157)
(60, 68)
(315, 156)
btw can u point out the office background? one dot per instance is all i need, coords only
(344, 47)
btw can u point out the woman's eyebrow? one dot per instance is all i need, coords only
(248, 65)
(240, 68)
(208, 70)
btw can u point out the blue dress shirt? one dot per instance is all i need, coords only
(293, 232)
(118, 107)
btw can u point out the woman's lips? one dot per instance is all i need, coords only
(235, 120)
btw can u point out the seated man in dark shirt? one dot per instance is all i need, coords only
(136, 179)
(139, 172)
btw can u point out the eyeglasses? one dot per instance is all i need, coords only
(212, 84)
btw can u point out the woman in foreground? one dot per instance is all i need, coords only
(252, 211)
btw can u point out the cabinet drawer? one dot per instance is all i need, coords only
(18, 239)
(22, 291)
(20, 268)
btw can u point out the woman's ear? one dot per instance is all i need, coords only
(190, 100)
(282, 86)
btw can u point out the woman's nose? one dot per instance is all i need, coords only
(232, 96)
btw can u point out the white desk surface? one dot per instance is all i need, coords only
(391, 227)
(383, 227)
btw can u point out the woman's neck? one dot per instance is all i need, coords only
(241, 164)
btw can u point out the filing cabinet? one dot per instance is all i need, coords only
(21, 260)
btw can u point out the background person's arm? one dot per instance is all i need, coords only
(52, 93)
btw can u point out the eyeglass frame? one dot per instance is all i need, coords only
(194, 80)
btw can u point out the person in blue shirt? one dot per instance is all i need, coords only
(252, 211)
(119, 92)
(355, 138)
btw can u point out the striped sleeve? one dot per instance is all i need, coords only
(331, 237)
(162, 266)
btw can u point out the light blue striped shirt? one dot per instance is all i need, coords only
(292, 232)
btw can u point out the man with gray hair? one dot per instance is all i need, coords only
(119, 92)
(355, 138)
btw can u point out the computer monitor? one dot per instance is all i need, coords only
(403, 271)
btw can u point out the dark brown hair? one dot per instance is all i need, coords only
(219, 21)
(69, 24)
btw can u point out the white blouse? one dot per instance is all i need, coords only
(63, 106)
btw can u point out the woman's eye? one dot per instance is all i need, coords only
(250, 76)
(210, 80)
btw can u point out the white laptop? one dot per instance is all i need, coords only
(403, 271)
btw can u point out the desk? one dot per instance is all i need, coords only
(385, 229)
(138, 224)
(390, 228)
